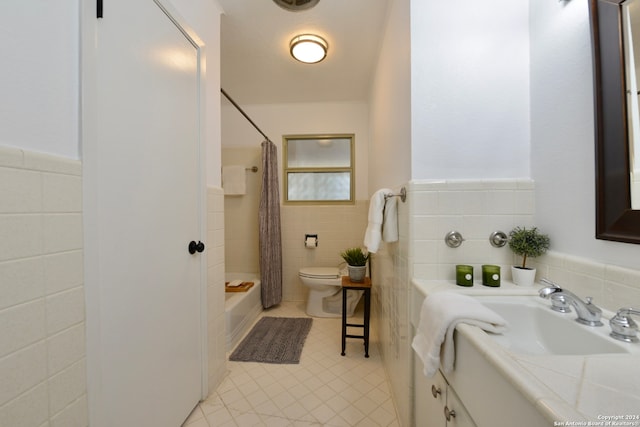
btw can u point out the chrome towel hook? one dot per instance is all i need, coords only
(402, 195)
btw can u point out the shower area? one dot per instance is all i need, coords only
(241, 242)
(241, 212)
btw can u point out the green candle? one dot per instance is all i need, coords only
(464, 275)
(491, 275)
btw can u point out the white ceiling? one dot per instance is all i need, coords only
(258, 69)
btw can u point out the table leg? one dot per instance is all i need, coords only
(344, 320)
(367, 308)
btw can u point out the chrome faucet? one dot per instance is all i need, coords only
(588, 313)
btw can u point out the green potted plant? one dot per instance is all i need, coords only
(356, 260)
(527, 243)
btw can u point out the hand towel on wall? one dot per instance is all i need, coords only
(383, 220)
(441, 312)
(234, 180)
(390, 220)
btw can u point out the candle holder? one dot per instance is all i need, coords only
(464, 275)
(491, 275)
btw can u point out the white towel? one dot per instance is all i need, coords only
(373, 234)
(234, 180)
(390, 220)
(439, 315)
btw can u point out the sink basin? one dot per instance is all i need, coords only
(535, 329)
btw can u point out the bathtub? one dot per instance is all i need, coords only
(240, 308)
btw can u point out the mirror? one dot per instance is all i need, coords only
(631, 43)
(615, 218)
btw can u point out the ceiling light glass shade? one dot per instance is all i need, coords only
(308, 48)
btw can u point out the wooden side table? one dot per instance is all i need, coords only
(358, 286)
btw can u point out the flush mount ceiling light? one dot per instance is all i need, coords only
(308, 48)
(296, 5)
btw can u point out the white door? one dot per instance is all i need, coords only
(143, 180)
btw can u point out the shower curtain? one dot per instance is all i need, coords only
(270, 239)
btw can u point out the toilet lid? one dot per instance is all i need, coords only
(320, 272)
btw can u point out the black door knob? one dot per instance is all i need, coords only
(195, 247)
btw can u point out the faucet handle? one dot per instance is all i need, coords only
(549, 283)
(560, 304)
(593, 308)
(623, 327)
(589, 301)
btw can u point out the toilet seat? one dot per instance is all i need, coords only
(320, 272)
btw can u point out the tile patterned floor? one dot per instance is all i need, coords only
(325, 389)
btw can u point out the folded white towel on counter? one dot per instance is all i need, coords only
(383, 220)
(234, 180)
(441, 312)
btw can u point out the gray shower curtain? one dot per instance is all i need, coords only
(269, 229)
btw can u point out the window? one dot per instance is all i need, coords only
(319, 169)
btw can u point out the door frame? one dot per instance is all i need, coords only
(87, 131)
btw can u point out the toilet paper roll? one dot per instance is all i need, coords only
(310, 242)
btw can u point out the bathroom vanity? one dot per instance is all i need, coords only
(499, 382)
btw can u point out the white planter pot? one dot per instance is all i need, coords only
(523, 276)
(357, 273)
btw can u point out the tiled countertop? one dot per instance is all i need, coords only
(567, 390)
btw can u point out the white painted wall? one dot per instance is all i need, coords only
(390, 167)
(40, 84)
(562, 133)
(277, 120)
(204, 17)
(390, 103)
(40, 80)
(39, 87)
(469, 89)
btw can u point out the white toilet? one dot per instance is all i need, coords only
(325, 292)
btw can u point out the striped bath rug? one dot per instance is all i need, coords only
(274, 340)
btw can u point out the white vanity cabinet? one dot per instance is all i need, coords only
(489, 399)
(436, 403)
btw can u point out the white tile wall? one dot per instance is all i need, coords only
(473, 208)
(241, 213)
(42, 313)
(215, 287)
(390, 318)
(611, 287)
(338, 228)
(476, 209)
(432, 209)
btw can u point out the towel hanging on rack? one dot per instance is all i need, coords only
(234, 180)
(383, 220)
(390, 220)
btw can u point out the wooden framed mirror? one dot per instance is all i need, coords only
(615, 218)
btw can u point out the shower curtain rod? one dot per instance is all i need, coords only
(244, 114)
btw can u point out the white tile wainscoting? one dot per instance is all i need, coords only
(216, 339)
(611, 287)
(476, 209)
(42, 313)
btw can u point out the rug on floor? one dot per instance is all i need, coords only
(274, 340)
